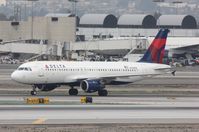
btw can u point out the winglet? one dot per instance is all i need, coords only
(173, 73)
(155, 52)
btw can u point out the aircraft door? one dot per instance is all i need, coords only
(42, 75)
(41, 72)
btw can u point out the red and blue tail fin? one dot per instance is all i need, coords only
(155, 52)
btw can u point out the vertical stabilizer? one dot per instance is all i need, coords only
(155, 52)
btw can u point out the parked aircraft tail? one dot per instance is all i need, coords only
(155, 52)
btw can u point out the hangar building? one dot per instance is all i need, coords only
(132, 25)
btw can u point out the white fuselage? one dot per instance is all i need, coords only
(64, 72)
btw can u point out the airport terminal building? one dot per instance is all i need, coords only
(64, 35)
(49, 28)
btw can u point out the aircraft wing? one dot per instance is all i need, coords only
(163, 69)
(167, 70)
(104, 78)
(189, 47)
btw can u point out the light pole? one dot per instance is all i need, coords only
(158, 1)
(32, 17)
(159, 11)
(25, 9)
(74, 6)
(177, 3)
(75, 14)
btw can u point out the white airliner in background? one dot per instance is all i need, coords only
(93, 76)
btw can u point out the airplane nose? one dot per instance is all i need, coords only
(15, 76)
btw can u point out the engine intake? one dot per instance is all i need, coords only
(91, 86)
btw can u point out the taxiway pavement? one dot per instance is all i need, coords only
(68, 110)
(173, 99)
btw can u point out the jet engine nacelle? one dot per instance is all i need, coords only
(47, 87)
(91, 86)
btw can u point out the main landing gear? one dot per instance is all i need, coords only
(103, 92)
(33, 92)
(73, 91)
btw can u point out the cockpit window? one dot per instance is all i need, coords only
(24, 69)
(20, 68)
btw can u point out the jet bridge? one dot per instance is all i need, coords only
(114, 46)
(23, 48)
(111, 46)
(31, 48)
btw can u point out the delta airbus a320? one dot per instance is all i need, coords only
(93, 76)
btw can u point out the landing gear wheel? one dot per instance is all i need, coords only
(73, 92)
(103, 93)
(33, 92)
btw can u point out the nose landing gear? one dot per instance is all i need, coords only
(33, 92)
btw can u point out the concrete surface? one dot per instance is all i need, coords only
(164, 103)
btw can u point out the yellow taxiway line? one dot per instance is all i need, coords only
(39, 121)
